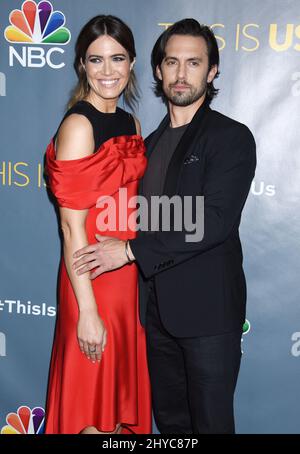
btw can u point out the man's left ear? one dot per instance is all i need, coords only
(158, 72)
(212, 73)
(132, 64)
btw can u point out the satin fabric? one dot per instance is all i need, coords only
(117, 390)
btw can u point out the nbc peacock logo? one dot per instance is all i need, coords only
(246, 327)
(36, 24)
(25, 421)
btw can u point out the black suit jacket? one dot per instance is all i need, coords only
(200, 286)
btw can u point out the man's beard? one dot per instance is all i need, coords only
(188, 97)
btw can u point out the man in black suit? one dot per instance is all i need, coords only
(192, 293)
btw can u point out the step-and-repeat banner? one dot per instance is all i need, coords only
(259, 85)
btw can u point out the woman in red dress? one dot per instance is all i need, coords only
(98, 376)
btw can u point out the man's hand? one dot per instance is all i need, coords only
(107, 255)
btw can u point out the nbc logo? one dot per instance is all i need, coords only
(2, 344)
(36, 24)
(25, 421)
(2, 84)
(246, 327)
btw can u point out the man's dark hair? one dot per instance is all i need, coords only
(185, 27)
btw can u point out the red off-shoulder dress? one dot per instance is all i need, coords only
(116, 390)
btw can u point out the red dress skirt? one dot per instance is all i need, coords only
(116, 390)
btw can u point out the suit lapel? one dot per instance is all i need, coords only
(172, 177)
(182, 149)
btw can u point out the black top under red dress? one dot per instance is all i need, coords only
(117, 389)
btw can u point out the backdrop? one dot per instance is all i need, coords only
(259, 85)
